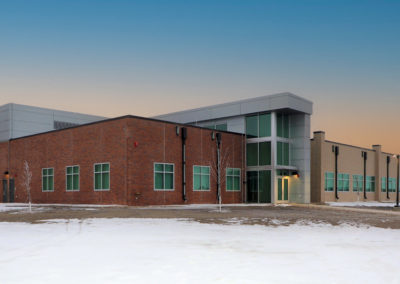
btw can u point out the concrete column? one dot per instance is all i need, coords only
(378, 165)
(300, 157)
(317, 172)
(273, 157)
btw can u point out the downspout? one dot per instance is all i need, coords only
(364, 154)
(387, 176)
(336, 171)
(397, 181)
(219, 167)
(184, 136)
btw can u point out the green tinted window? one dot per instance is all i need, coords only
(252, 126)
(282, 125)
(223, 127)
(258, 125)
(265, 153)
(252, 154)
(101, 176)
(370, 184)
(72, 176)
(392, 185)
(343, 182)
(159, 167)
(232, 179)
(282, 153)
(358, 181)
(169, 168)
(163, 176)
(158, 180)
(48, 179)
(169, 181)
(329, 181)
(279, 151)
(264, 125)
(383, 184)
(201, 178)
(346, 182)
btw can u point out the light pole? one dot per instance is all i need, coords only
(397, 181)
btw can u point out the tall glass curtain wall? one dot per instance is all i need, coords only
(258, 153)
(282, 131)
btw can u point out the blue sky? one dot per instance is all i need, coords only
(152, 57)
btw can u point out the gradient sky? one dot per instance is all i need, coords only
(151, 57)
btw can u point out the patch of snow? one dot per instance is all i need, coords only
(4, 207)
(20, 208)
(182, 251)
(361, 204)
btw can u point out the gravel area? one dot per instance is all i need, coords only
(268, 215)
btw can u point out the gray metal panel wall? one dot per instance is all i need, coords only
(21, 120)
(300, 157)
(234, 124)
(243, 107)
(5, 122)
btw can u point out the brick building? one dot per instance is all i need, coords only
(127, 160)
(265, 154)
(262, 144)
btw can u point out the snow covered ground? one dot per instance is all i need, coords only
(361, 204)
(184, 251)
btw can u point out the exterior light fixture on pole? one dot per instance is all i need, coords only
(397, 181)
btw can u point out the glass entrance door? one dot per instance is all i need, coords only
(259, 186)
(283, 189)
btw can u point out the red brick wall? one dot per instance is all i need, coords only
(3, 165)
(131, 146)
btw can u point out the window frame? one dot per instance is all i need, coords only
(109, 176)
(358, 179)
(154, 176)
(392, 184)
(329, 178)
(383, 184)
(73, 174)
(370, 182)
(47, 176)
(267, 129)
(283, 125)
(280, 153)
(341, 179)
(201, 174)
(233, 179)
